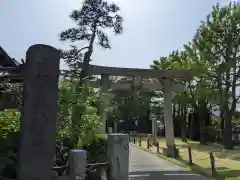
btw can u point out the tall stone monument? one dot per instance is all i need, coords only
(38, 118)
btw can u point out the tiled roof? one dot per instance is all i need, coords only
(6, 60)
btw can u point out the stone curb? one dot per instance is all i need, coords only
(182, 164)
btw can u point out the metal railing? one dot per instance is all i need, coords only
(90, 173)
(60, 170)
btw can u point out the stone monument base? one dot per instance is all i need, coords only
(171, 152)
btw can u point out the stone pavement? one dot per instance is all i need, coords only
(146, 166)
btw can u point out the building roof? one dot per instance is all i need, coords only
(13, 76)
(6, 60)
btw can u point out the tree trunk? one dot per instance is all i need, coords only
(191, 128)
(174, 110)
(87, 57)
(183, 124)
(222, 123)
(201, 116)
(228, 130)
(76, 116)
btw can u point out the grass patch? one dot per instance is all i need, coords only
(227, 162)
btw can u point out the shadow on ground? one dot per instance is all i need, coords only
(222, 172)
(164, 175)
(225, 173)
(216, 148)
(222, 168)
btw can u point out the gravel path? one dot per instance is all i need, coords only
(146, 166)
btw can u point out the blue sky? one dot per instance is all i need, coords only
(152, 28)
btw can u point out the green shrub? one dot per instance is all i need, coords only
(9, 134)
(96, 153)
(75, 130)
(96, 149)
(69, 135)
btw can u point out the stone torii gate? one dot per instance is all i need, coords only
(166, 84)
(137, 84)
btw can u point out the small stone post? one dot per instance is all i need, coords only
(212, 161)
(39, 113)
(77, 164)
(157, 145)
(110, 130)
(148, 143)
(115, 126)
(190, 155)
(118, 156)
(154, 131)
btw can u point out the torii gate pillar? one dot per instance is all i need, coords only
(103, 113)
(170, 149)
